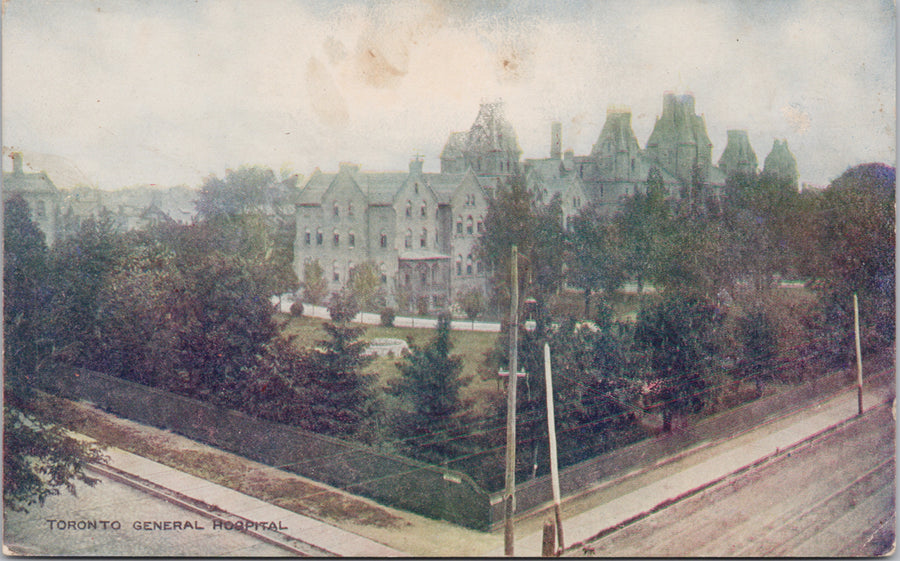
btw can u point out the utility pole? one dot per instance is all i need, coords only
(858, 352)
(510, 492)
(554, 464)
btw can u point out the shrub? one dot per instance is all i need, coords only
(297, 309)
(387, 317)
(342, 307)
(472, 303)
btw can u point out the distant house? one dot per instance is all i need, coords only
(42, 196)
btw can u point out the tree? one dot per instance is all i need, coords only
(342, 396)
(25, 293)
(858, 240)
(227, 322)
(38, 458)
(760, 345)
(365, 285)
(314, 284)
(679, 337)
(429, 387)
(79, 268)
(645, 225)
(596, 260)
(249, 214)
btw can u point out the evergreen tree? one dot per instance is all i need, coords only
(38, 459)
(429, 386)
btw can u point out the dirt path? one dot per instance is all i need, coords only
(401, 530)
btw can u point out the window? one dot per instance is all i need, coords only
(479, 267)
(479, 227)
(434, 273)
(319, 236)
(383, 239)
(336, 272)
(416, 187)
(423, 241)
(423, 211)
(408, 242)
(337, 239)
(383, 273)
(308, 238)
(459, 265)
(351, 240)
(349, 209)
(469, 227)
(459, 225)
(40, 210)
(406, 279)
(469, 265)
(336, 210)
(408, 209)
(423, 275)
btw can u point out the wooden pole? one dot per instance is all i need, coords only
(510, 492)
(859, 381)
(551, 432)
(548, 547)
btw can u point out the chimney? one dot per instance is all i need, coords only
(556, 140)
(17, 163)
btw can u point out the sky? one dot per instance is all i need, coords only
(114, 93)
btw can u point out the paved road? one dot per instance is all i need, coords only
(32, 533)
(832, 497)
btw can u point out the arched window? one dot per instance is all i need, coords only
(336, 272)
(383, 270)
(424, 210)
(459, 225)
(408, 242)
(479, 227)
(319, 236)
(459, 265)
(469, 225)
(423, 241)
(383, 239)
(423, 274)
(469, 264)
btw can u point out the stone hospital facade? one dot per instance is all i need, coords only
(420, 229)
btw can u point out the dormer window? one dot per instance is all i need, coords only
(336, 211)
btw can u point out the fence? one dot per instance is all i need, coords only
(394, 480)
(284, 302)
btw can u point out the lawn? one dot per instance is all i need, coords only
(472, 346)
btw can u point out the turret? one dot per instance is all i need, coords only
(738, 155)
(781, 163)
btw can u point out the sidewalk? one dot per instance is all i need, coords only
(626, 500)
(228, 506)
